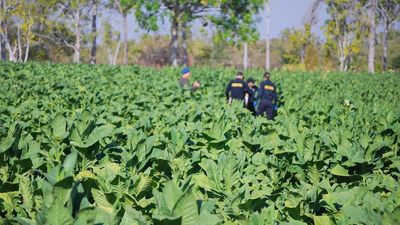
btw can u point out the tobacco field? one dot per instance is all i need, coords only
(82, 144)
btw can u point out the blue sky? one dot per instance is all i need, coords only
(289, 14)
(284, 14)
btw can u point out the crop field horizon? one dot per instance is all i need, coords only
(84, 144)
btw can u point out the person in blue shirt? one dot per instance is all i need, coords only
(267, 97)
(237, 89)
(184, 82)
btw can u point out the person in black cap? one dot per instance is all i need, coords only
(250, 100)
(184, 80)
(237, 89)
(267, 97)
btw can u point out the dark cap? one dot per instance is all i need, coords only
(185, 70)
(250, 80)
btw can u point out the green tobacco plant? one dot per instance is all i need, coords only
(82, 144)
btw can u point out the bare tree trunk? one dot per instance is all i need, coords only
(1, 49)
(385, 46)
(342, 64)
(245, 56)
(174, 41)
(371, 38)
(93, 49)
(389, 12)
(343, 43)
(303, 54)
(185, 56)
(3, 53)
(116, 53)
(346, 65)
(77, 46)
(125, 60)
(267, 42)
(2, 39)
(19, 43)
(28, 43)
(11, 52)
(4, 34)
(342, 56)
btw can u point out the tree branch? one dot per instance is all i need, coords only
(56, 40)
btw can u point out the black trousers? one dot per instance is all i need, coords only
(251, 107)
(266, 106)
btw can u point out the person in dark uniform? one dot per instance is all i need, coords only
(237, 89)
(250, 100)
(184, 80)
(267, 97)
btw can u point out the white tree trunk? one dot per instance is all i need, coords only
(245, 56)
(19, 45)
(342, 56)
(125, 60)
(385, 46)
(11, 51)
(77, 46)
(28, 43)
(343, 44)
(116, 53)
(371, 38)
(4, 42)
(267, 41)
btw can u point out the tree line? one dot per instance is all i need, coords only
(358, 34)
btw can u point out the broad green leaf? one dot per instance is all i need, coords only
(392, 218)
(102, 203)
(322, 220)
(69, 162)
(85, 216)
(293, 222)
(206, 218)
(187, 208)
(23, 221)
(59, 127)
(98, 133)
(62, 191)
(85, 174)
(7, 198)
(6, 143)
(133, 217)
(292, 201)
(57, 215)
(339, 170)
(202, 181)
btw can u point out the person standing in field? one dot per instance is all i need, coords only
(184, 80)
(237, 89)
(250, 100)
(267, 97)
